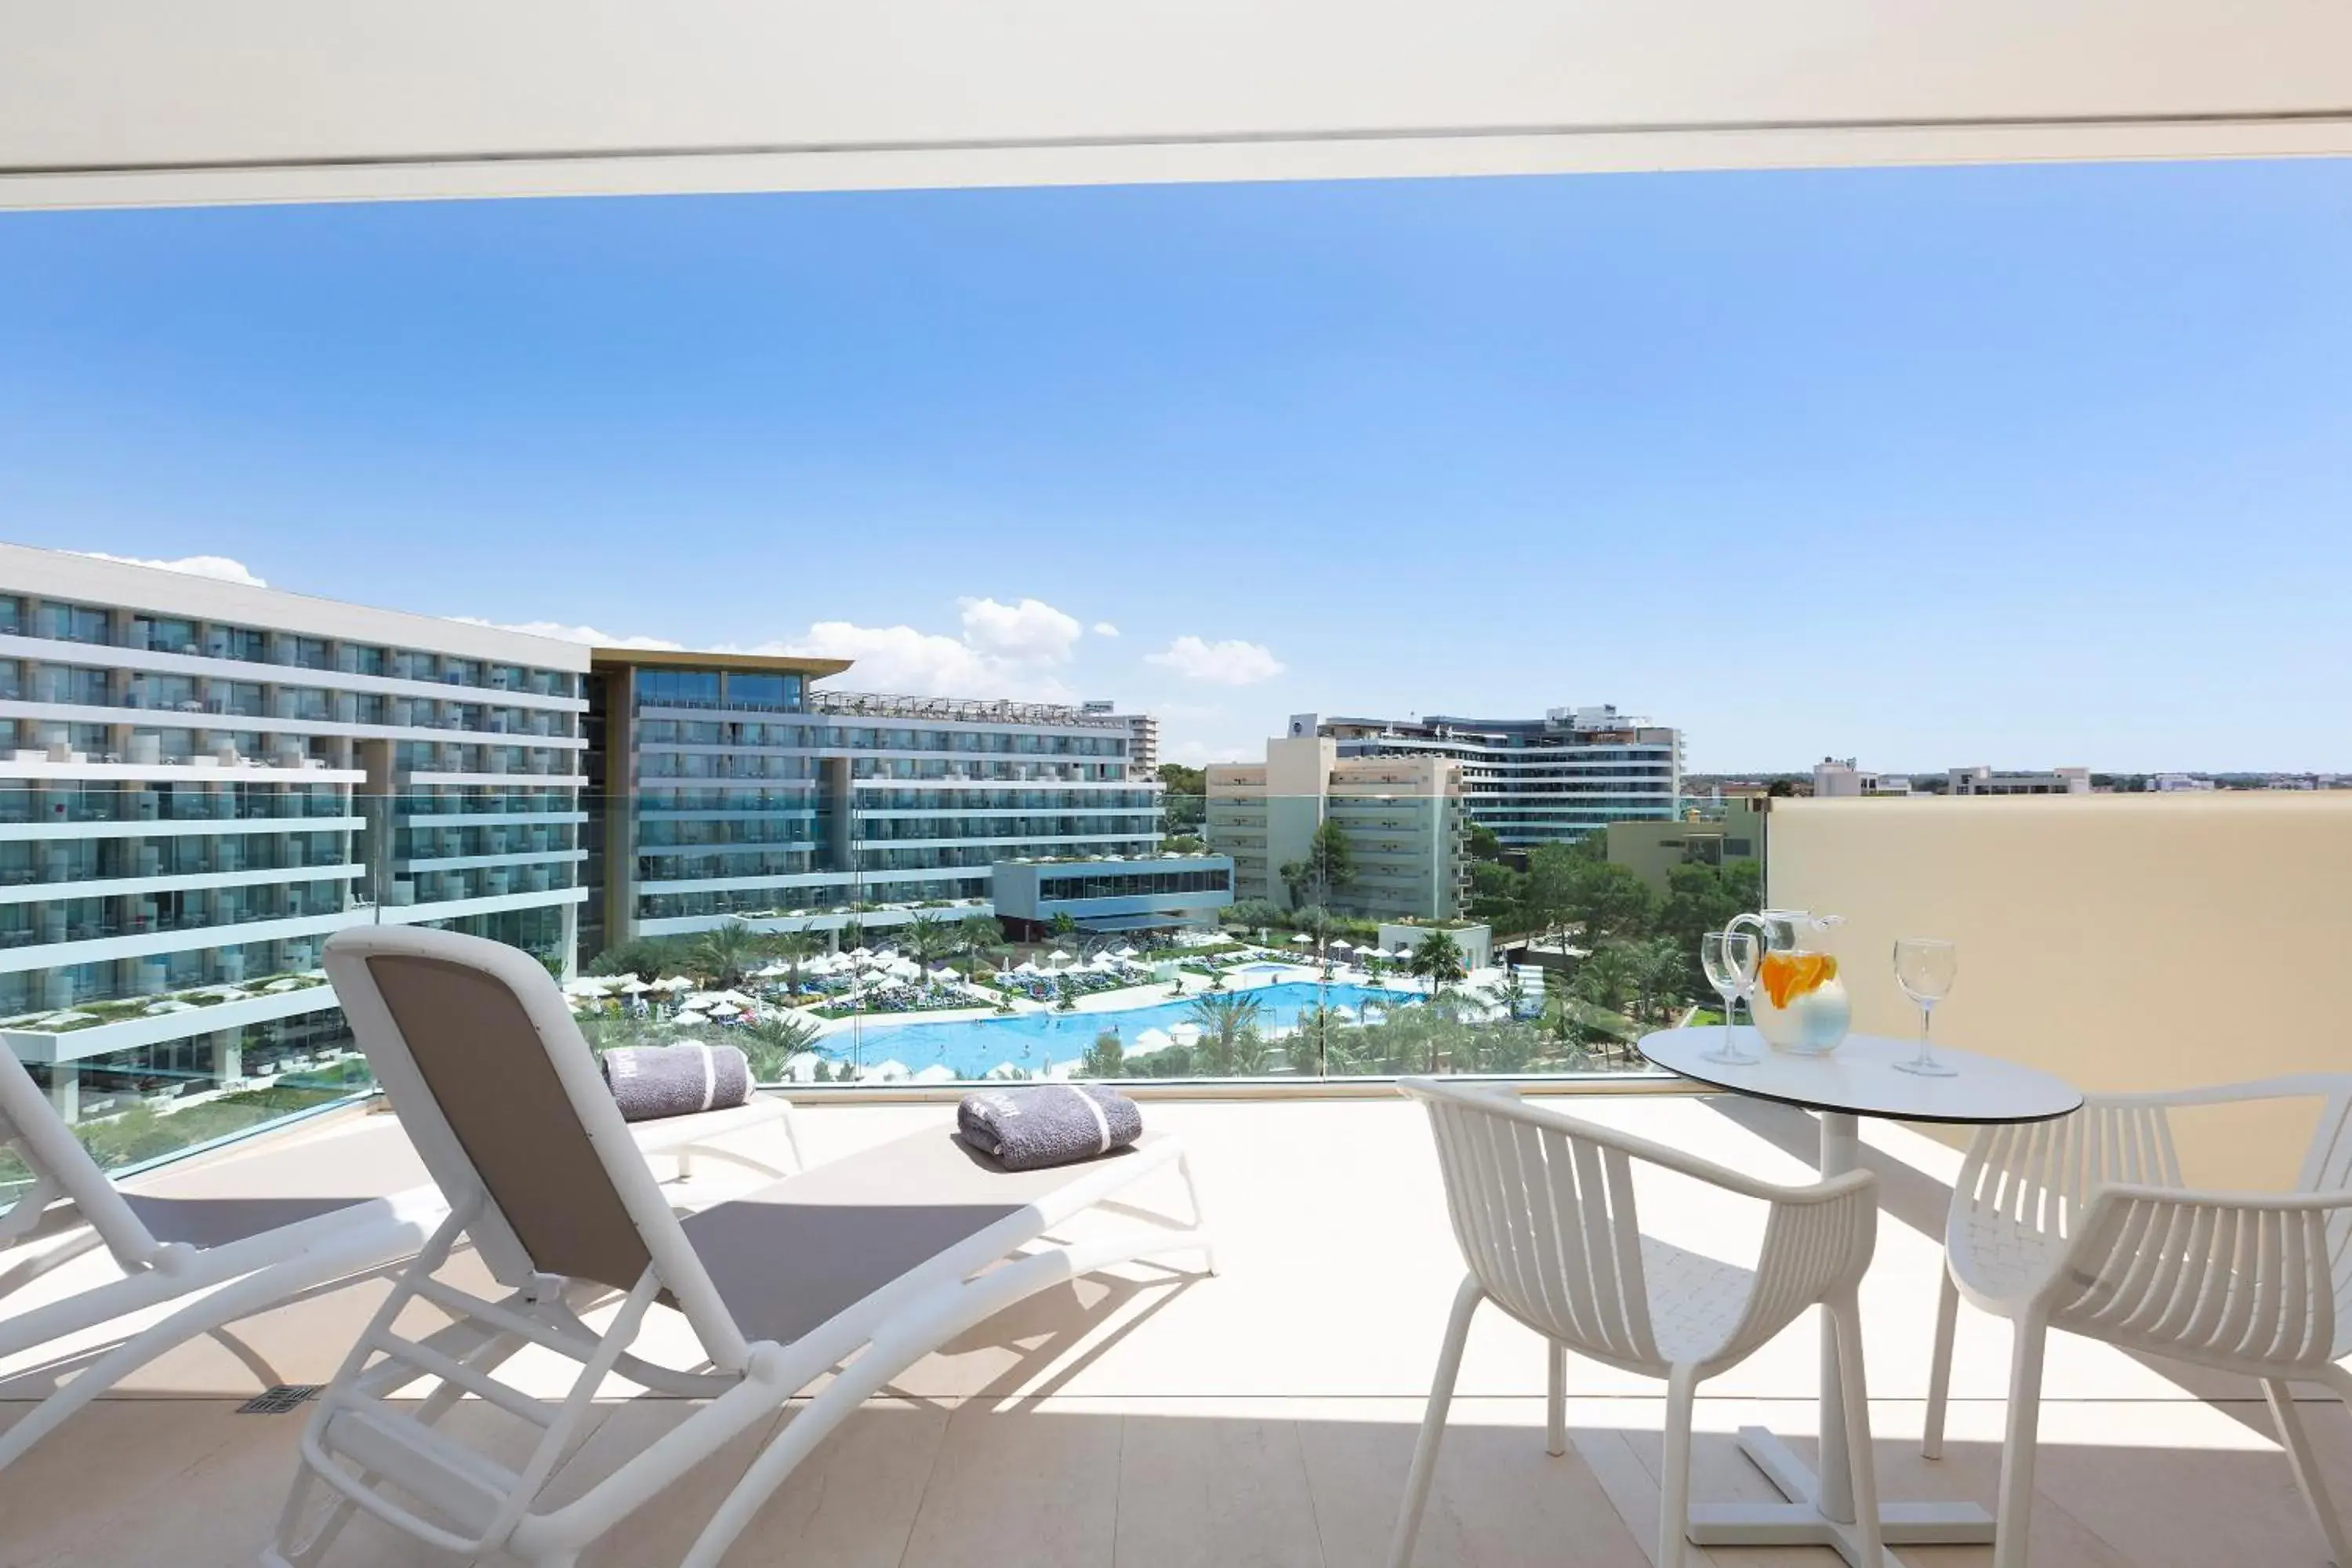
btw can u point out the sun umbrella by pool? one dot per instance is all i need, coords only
(1027, 966)
(1057, 956)
(938, 1073)
(859, 952)
(1302, 939)
(633, 987)
(887, 1072)
(1185, 1033)
(675, 983)
(1126, 953)
(1343, 946)
(587, 985)
(1154, 1040)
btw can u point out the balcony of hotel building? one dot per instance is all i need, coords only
(888, 901)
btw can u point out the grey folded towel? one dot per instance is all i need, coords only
(652, 1081)
(1054, 1124)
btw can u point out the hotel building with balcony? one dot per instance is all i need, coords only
(1401, 817)
(733, 787)
(1533, 782)
(200, 780)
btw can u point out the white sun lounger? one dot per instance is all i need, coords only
(231, 1234)
(860, 1267)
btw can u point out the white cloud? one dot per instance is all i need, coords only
(572, 634)
(1031, 632)
(1005, 650)
(1105, 629)
(1229, 663)
(216, 567)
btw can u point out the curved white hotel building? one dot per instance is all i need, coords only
(1534, 781)
(200, 780)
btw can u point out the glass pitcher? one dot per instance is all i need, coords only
(1799, 1004)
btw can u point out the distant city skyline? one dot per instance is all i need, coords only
(2031, 465)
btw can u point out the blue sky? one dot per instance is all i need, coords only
(2028, 466)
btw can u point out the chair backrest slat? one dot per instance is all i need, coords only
(1546, 1222)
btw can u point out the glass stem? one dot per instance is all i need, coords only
(1927, 1013)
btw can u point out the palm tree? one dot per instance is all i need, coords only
(980, 933)
(772, 1041)
(928, 939)
(795, 948)
(1438, 960)
(1221, 1021)
(1663, 974)
(726, 952)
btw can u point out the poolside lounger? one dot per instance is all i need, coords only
(233, 1235)
(860, 1267)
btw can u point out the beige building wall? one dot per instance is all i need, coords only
(1652, 850)
(2121, 942)
(1401, 815)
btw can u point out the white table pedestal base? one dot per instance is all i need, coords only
(1801, 1523)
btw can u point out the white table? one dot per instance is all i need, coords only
(1859, 1079)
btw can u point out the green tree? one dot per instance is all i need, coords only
(1061, 924)
(726, 953)
(1662, 974)
(929, 938)
(1106, 1058)
(1066, 993)
(771, 1042)
(977, 935)
(1604, 979)
(1551, 888)
(1609, 901)
(795, 948)
(1438, 960)
(1184, 800)
(1222, 1020)
(1184, 843)
(1484, 842)
(1331, 860)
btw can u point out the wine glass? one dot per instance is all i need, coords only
(1925, 967)
(1730, 960)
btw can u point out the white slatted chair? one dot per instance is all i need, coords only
(860, 1267)
(239, 1233)
(1542, 1204)
(2082, 1223)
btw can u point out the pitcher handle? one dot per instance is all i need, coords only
(1763, 936)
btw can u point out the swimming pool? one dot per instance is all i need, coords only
(1033, 1041)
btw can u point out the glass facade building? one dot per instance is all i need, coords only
(1533, 781)
(734, 787)
(201, 781)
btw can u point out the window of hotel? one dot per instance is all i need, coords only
(764, 690)
(668, 686)
(73, 622)
(163, 635)
(236, 642)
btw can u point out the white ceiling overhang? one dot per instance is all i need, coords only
(132, 103)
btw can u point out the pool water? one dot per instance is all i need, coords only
(1032, 1041)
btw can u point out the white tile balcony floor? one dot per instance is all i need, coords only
(1266, 1415)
